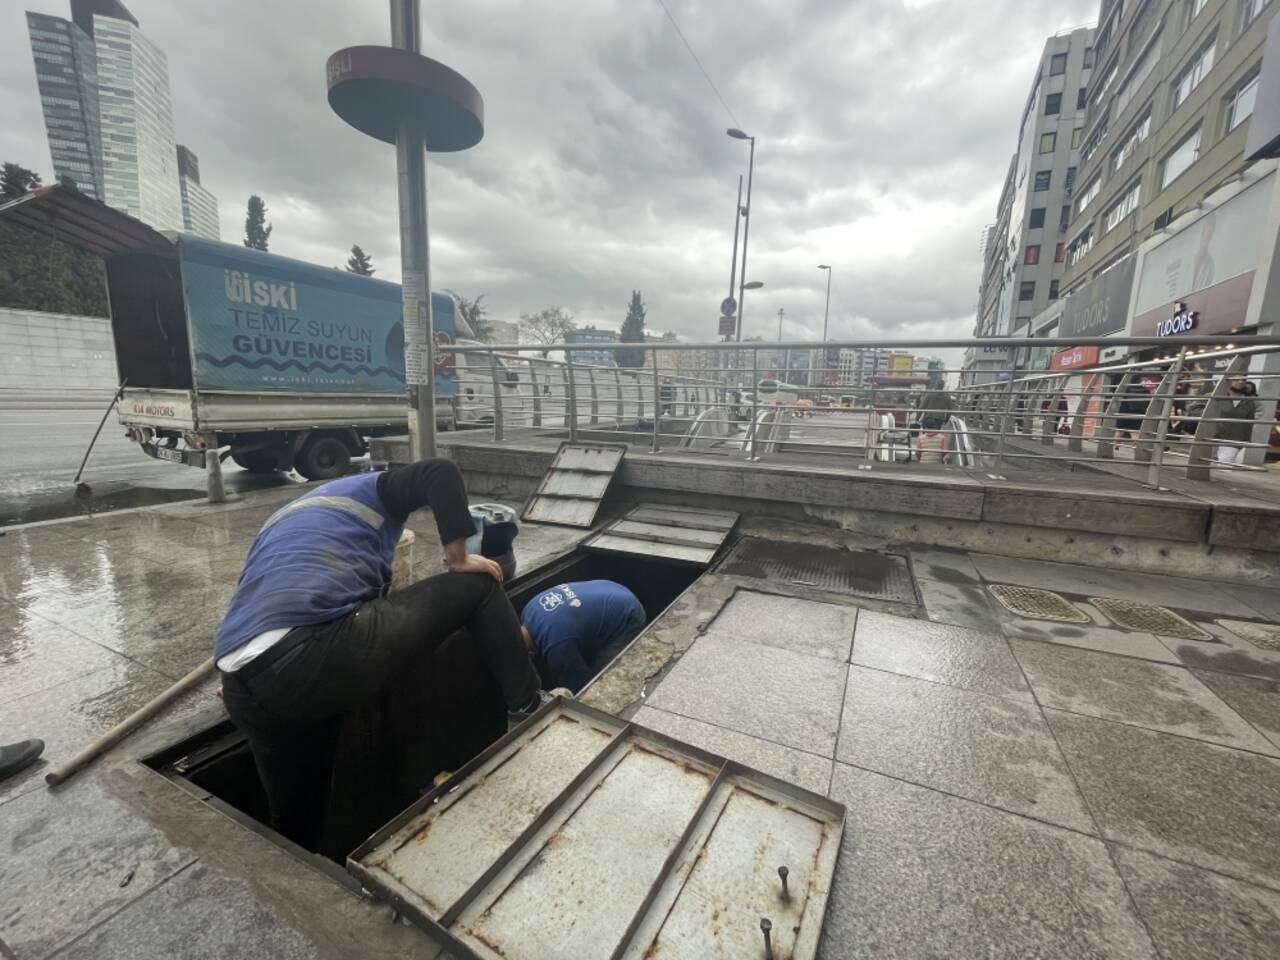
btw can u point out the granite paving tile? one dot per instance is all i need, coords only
(946, 566)
(959, 604)
(777, 695)
(1184, 799)
(786, 763)
(961, 657)
(987, 748)
(1143, 646)
(201, 913)
(789, 623)
(926, 875)
(1255, 699)
(1233, 654)
(1178, 592)
(1154, 695)
(37, 654)
(70, 715)
(67, 860)
(1193, 914)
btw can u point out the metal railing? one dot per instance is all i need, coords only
(1163, 409)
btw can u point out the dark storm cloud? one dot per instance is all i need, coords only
(884, 130)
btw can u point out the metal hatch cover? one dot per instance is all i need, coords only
(581, 836)
(575, 483)
(681, 534)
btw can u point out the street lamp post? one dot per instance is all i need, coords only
(826, 313)
(737, 222)
(746, 225)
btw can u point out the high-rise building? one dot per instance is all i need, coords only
(104, 88)
(199, 206)
(1024, 255)
(1168, 114)
(67, 77)
(139, 156)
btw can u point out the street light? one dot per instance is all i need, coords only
(826, 313)
(827, 309)
(753, 285)
(746, 223)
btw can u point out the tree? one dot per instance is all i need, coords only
(475, 315)
(359, 262)
(15, 180)
(256, 229)
(40, 271)
(632, 332)
(550, 325)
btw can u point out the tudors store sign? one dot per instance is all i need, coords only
(1182, 321)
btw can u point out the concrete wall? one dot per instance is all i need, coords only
(1074, 521)
(55, 354)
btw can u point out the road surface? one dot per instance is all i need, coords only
(41, 447)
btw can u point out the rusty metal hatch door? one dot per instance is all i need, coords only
(680, 534)
(579, 835)
(571, 491)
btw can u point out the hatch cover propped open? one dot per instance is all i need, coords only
(579, 835)
(574, 485)
(682, 534)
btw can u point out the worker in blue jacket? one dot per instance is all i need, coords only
(312, 634)
(574, 629)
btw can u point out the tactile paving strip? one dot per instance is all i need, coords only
(1149, 618)
(1036, 604)
(1265, 635)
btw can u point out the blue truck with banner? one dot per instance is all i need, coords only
(273, 362)
(229, 352)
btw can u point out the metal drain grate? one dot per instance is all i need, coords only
(1149, 618)
(1036, 604)
(1264, 635)
(858, 573)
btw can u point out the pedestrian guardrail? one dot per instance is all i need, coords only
(1157, 409)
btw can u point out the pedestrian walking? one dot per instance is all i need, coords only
(1237, 421)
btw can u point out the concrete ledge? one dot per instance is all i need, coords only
(942, 505)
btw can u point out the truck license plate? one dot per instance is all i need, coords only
(168, 453)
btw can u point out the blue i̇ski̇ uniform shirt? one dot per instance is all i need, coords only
(573, 622)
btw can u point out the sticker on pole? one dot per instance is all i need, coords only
(417, 326)
(728, 307)
(728, 325)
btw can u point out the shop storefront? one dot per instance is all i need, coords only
(1210, 275)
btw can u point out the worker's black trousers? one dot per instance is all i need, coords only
(293, 710)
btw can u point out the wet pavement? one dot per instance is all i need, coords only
(1015, 787)
(43, 445)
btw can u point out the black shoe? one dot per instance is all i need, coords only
(18, 756)
(517, 717)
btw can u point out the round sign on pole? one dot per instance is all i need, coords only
(728, 307)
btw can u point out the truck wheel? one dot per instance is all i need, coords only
(323, 458)
(257, 461)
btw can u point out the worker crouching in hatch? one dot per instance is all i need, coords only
(575, 629)
(312, 637)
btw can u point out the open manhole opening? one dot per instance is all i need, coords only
(1149, 618)
(1036, 604)
(858, 573)
(456, 712)
(1264, 635)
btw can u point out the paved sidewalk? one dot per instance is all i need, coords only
(1016, 788)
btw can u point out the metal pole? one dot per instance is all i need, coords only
(826, 311)
(415, 252)
(737, 222)
(657, 401)
(746, 232)
(571, 395)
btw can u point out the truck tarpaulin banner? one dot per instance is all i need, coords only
(261, 322)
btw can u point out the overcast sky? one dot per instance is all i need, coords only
(883, 130)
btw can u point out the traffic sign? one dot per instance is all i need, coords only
(728, 325)
(728, 307)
